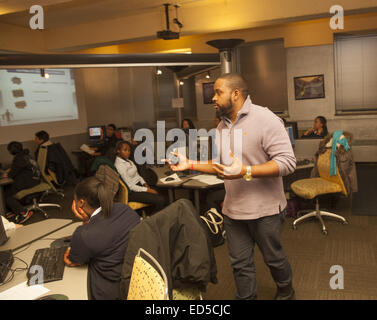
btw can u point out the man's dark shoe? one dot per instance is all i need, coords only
(285, 293)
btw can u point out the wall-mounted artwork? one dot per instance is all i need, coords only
(309, 87)
(208, 92)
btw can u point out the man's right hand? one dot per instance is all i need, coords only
(182, 165)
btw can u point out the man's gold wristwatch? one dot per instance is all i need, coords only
(247, 175)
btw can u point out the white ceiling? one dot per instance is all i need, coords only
(60, 13)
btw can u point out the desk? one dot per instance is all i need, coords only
(197, 186)
(3, 182)
(24, 235)
(74, 283)
(305, 166)
(160, 172)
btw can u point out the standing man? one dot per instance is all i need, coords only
(254, 203)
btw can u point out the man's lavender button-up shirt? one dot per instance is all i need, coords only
(263, 138)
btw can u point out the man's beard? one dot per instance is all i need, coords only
(225, 110)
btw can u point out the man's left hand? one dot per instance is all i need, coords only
(234, 171)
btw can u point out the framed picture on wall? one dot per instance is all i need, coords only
(208, 92)
(309, 87)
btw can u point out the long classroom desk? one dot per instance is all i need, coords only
(26, 234)
(74, 282)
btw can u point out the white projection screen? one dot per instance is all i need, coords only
(26, 97)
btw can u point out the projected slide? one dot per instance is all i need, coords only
(26, 97)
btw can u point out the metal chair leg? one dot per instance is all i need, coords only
(333, 215)
(318, 213)
(54, 205)
(304, 217)
(324, 231)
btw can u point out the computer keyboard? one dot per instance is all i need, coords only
(6, 261)
(52, 262)
(303, 162)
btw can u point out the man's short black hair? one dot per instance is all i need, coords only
(42, 135)
(236, 81)
(112, 125)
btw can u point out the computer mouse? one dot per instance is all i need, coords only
(54, 297)
(170, 179)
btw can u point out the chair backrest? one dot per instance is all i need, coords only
(147, 282)
(323, 164)
(108, 176)
(123, 192)
(42, 162)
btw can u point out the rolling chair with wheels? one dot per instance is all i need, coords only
(37, 193)
(313, 188)
(50, 177)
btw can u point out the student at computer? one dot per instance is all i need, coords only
(109, 142)
(24, 175)
(41, 139)
(101, 241)
(187, 124)
(140, 191)
(319, 129)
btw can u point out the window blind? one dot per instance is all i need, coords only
(356, 73)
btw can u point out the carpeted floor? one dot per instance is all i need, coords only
(311, 254)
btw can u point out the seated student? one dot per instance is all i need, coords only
(105, 148)
(24, 175)
(319, 129)
(101, 241)
(140, 191)
(109, 142)
(42, 138)
(57, 159)
(187, 124)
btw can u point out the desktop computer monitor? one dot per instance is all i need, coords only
(96, 133)
(293, 124)
(291, 135)
(3, 235)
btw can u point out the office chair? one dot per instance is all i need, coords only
(37, 193)
(313, 188)
(146, 282)
(150, 283)
(123, 198)
(106, 171)
(50, 177)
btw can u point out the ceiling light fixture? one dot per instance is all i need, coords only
(44, 74)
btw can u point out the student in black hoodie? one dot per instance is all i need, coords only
(24, 176)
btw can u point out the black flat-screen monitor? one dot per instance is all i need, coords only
(293, 124)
